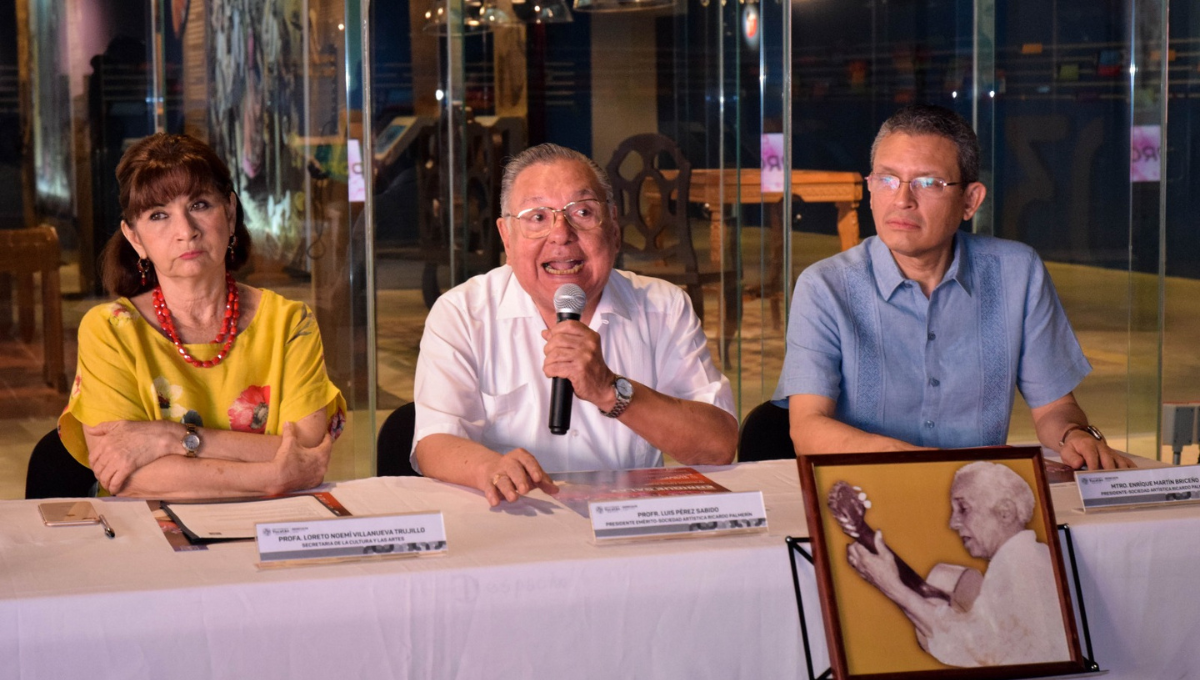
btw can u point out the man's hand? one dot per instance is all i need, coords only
(118, 448)
(299, 466)
(512, 475)
(878, 569)
(1082, 449)
(1060, 427)
(573, 352)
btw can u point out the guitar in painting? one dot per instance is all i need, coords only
(954, 584)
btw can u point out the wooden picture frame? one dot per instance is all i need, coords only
(1011, 619)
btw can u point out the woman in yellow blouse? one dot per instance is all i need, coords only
(159, 407)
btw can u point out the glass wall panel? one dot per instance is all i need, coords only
(273, 87)
(1055, 95)
(735, 93)
(1180, 243)
(1074, 86)
(681, 87)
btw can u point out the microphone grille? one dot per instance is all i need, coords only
(570, 299)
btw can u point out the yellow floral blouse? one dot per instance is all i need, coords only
(128, 370)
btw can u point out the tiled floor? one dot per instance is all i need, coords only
(1097, 301)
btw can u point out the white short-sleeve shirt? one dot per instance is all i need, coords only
(479, 374)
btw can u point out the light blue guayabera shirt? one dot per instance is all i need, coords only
(936, 372)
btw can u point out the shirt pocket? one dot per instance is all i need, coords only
(505, 428)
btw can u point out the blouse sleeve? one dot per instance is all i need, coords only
(306, 384)
(105, 386)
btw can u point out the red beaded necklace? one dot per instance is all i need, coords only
(228, 332)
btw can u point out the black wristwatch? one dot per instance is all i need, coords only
(1090, 429)
(624, 391)
(191, 441)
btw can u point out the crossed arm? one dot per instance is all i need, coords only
(146, 459)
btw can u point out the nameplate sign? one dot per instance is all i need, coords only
(1105, 489)
(350, 538)
(675, 516)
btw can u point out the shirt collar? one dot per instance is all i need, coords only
(515, 303)
(960, 266)
(888, 276)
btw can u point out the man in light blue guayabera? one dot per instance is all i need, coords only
(919, 336)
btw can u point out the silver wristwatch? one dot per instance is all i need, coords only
(190, 441)
(624, 391)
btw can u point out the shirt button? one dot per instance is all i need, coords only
(574, 433)
(933, 336)
(934, 382)
(929, 424)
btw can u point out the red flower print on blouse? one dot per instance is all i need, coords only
(249, 412)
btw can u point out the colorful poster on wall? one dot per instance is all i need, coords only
(772, 163)
(1144, 144)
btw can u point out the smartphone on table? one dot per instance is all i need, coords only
(68, 513)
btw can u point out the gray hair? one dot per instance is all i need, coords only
(927, 119)
(995, 482)
(548, 153)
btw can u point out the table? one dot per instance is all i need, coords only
(717, 188)
(730, 186)
(522, 594)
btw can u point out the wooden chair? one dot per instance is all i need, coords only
(23, 253)
(658, 242)
(478, 249)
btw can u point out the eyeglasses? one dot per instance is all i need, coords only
(927, 187)
(583, 215)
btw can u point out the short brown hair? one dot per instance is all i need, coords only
(155, 171)
(929, 119)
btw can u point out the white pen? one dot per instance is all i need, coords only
(108, 530)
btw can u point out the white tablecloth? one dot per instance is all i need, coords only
(523, 594)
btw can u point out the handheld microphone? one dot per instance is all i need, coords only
(569, 301)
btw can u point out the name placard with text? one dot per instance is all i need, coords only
(635, 518)
(1104, 489)
(407, 535)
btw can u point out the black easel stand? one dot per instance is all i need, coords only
(794, 548)
(1089, 657)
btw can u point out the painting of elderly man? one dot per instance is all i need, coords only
(940, 560)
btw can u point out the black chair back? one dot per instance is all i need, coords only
(395, 443)
(54, 473)
(765, 434)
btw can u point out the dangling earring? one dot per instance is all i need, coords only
(144, 266)
(232, 243)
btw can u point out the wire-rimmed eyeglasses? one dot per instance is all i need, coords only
(919, 186)
(583, 215)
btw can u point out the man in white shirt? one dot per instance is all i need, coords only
(638, 356)
(1016, 618)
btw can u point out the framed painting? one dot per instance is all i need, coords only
(939, 564)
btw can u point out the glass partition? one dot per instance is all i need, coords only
(367, 138)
